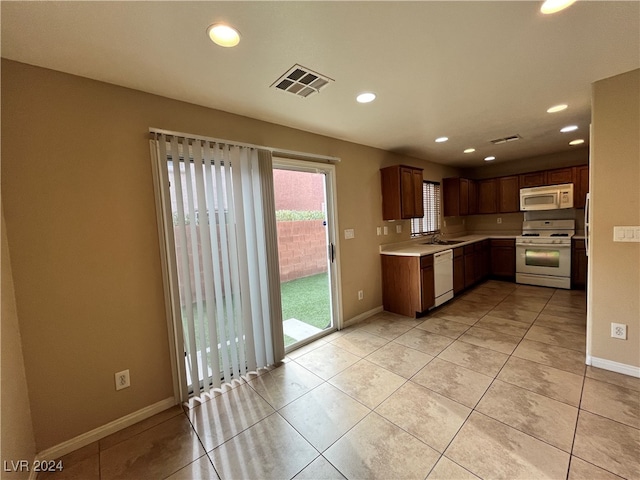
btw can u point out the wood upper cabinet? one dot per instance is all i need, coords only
(456, 196)
(473, 197)
(580, 185)
(533, 179)
(508, 194)
(560, 175)
(488, 195)
(401, 192)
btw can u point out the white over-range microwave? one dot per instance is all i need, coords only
(551, 197)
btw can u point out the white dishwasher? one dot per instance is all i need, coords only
(443, 276)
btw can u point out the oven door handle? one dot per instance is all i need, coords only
(544, 245)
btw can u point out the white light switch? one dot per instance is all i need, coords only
(398, 228)
(349, 233)
(626, 234)
(379, 230)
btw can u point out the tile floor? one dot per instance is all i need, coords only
(491, 385)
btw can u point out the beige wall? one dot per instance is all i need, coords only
(615, 200)
(17, 441)
(79, 205)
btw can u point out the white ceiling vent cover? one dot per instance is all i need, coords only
(511, 138)
(301, 81)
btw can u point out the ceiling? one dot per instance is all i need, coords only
(471, 71)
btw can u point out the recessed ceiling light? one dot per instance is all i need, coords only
(366, 97)
(553, 6)
(488, 159)
(578, 141)
(469, 150)
(569, 128)
(557, 108)
(223, 35)
(442, 139)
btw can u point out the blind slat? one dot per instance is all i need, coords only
(430, 222)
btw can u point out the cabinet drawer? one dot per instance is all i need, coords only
(458, 252)
(503, 243)
(469, 249)
(579, 244)
(426, 261)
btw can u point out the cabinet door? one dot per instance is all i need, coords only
(473, 197)
(533, 179)
(407, 193)
(508, 194)
(418, 202)
(464, 196)
(487, 196)
(428, 288)
(503, 258)
(451, 196)
(560, 175)
(578, 265)
(458, 274)
(580, 185)
(469, 265)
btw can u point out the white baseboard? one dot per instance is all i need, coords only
(91, 436)
(362, 316)
(614, 366)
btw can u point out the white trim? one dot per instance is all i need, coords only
(612, 366)
(276, 152)
(362, 316)
(91, 436)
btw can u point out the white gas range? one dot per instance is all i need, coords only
(543, 253)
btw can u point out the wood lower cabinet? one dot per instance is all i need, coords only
(401, 192)
(578, 264)
(508, 194)
(407, 284)
(503, 258)
(427, 282)
(458, 270)
(469, 265)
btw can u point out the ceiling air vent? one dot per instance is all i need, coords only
(301, 81)
(511, 138)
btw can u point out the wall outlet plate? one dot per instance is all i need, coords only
(122, 380)
(360, 294)
(349, 233)
(618, 330)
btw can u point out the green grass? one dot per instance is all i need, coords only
(307, 299)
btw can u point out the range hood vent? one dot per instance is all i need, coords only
(301, 81)
(511, 138)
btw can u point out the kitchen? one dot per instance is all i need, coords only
(545, 252)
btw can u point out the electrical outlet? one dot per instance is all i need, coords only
(386, 230)
(349, 233)
(379, 231)
(360, 294)
(122, 380)
(499, 220)
(618, 330)
(398, 228)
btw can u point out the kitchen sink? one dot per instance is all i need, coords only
(444, 242)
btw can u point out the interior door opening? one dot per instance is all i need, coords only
(306, 249)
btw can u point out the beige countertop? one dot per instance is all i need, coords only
(421, 246)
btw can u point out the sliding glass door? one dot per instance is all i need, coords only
(305, 219)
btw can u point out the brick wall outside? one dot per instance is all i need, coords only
(302, 248)
(301, 245)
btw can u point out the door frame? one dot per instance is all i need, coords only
(329, 170)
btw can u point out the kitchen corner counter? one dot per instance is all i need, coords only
(421, 246)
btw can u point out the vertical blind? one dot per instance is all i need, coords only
(430, 223)
(223, 244)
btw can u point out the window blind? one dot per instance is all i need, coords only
(430, 222)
